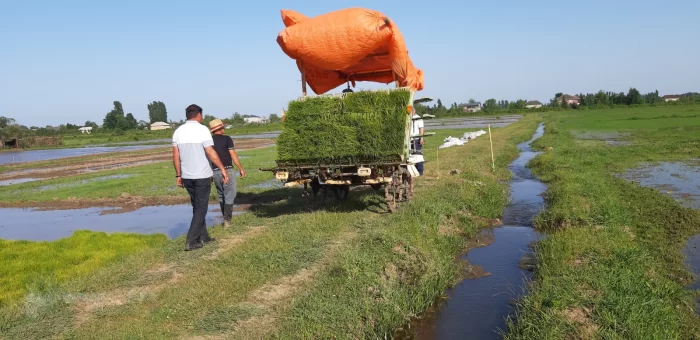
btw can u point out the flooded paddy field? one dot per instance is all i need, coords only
(18, 157)
(60, 167)
(470, 122)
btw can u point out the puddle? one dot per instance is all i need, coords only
(680, 180)
(35, 225)
(271, 184)
(12, 157)
(692, 262)
(692, 259)
(478, 308)
(611, 138)
(17, 181)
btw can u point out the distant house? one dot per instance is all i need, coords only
(571, 100)
(472, 107)
(533, 104)
(86, 129)
(254, 119)
(160, 126)
(671, 98)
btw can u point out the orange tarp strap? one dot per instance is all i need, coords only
(353, 44)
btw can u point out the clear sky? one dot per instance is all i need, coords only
(67, 61)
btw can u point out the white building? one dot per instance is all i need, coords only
(533, 104)
(160, 126)
(671, 98)
(86, 129)
(255, 119)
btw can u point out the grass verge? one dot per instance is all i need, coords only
(611, 266)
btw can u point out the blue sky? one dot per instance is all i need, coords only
(66, 61)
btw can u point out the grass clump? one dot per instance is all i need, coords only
(361, 127)
(42, 264)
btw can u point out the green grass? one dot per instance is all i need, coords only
(38, 266)
(613, 252)
(164, 293)
(153, 180)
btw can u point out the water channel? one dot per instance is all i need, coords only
(477, 308)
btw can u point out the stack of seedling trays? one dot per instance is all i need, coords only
(360, 128)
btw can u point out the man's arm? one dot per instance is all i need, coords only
(214, 158)
(234, 157)
(177, 165)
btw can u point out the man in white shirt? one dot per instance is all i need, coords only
(417, 142)
(192, 144)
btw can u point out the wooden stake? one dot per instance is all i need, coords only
(493, 161)
(303, 80)
(438, 162)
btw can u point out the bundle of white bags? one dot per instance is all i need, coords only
(452, 141)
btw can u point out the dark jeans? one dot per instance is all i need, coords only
(199, 190)
(418, 147)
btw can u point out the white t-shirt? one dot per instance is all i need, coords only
(191, 139)
(417, 125)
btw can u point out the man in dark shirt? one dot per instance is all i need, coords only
(223, 145)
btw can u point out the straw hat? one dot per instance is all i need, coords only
(215, 125)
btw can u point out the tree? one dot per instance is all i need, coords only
(472, 101)
(634, 97)
(114, 119)
(130, 122)
(157, 112)
(237, 119)
(490, 106)
(207, 119)
(439, 104)
(91, 124)
(274, 118)
(6, 121)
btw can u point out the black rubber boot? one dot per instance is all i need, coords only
(228, 214)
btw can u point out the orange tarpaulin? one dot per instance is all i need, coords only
(353, 44)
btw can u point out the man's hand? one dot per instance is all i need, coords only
(242, 173)
(224, 174)
(422, 141)
(178, 181)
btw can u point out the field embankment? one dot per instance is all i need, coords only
(611, 266)
(292, 268)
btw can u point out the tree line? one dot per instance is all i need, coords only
(600, 99)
